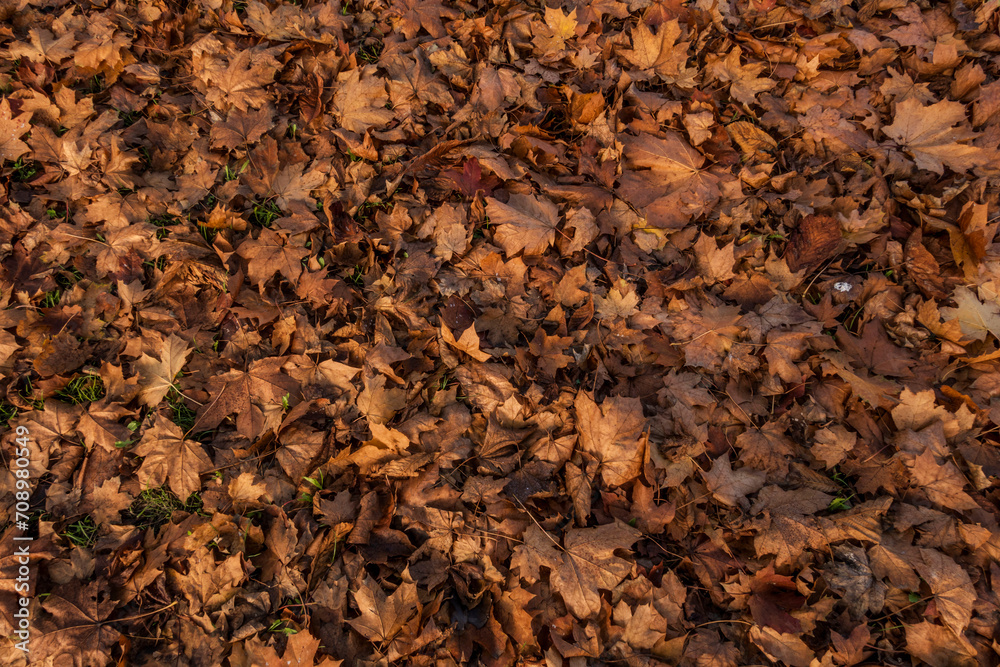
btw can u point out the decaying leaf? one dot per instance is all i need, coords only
(930, 135)
(383, 616)
(612, 433)
(582, 566)
(169, 458)
(525, 223)
(156, 376)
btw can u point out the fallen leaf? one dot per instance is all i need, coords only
(11, 131)
(732, 487)
(582, 566)
(525, 223)
(975, 317)
(156, 376)
(930, 135)
(612, 433)
(271, 253)
(169, 458)
(383, 616)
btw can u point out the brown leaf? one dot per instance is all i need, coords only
(60, 354)
(240, 84)
(974, 316)
(383, 616)
(360, 100)
(714, 263)
(271, 253)
(416, 14)
(939, 646)
(661, 54)
(943, 484)
(380, 404)
(612, 433)
(11, 131)
(781, 646)
(242, 128)
(169, 458)
(772, 597)
(951, 586)
(156, 376)
(928, 133)
(581, 567)
(44, 46)
(525, 223)
(244, 393)
(754, 141)
(73, 629)
(300, 651)
(745, 82)
(832, 445)
(787, 538)
(732, 487)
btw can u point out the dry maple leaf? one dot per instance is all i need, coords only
(714, 263)
(121, 248)
(612, 433)
(360, 100)
(450, 232)
(156, 376)
(379, 404)
(930, 135)
(426, 14)
(831, 445)
(939, 646)
(107, 501)
(243, 392)
(675, 189)
(60, 354)
(558, 29)
(782, 646)
(732, 487)
(102, 429)
(240, 85)
(169, 458)
(975, 317)
(943, 484)
(745, 81)
(525, 222)
(562, 26)
(242, 128)
(585, 564)
(294, 184)
(11, 131)
(787, 537)
(272, 253)
(207, 585)
(619, 303)
(44, 46)
(468, 342)
(772, 597)
(660, 53)
(245, 492)
(300, 651)
(953, 592)
(550, 352)
(74, 629)
(471, 180)
(382, 616)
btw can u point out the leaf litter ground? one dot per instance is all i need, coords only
(420, 332)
